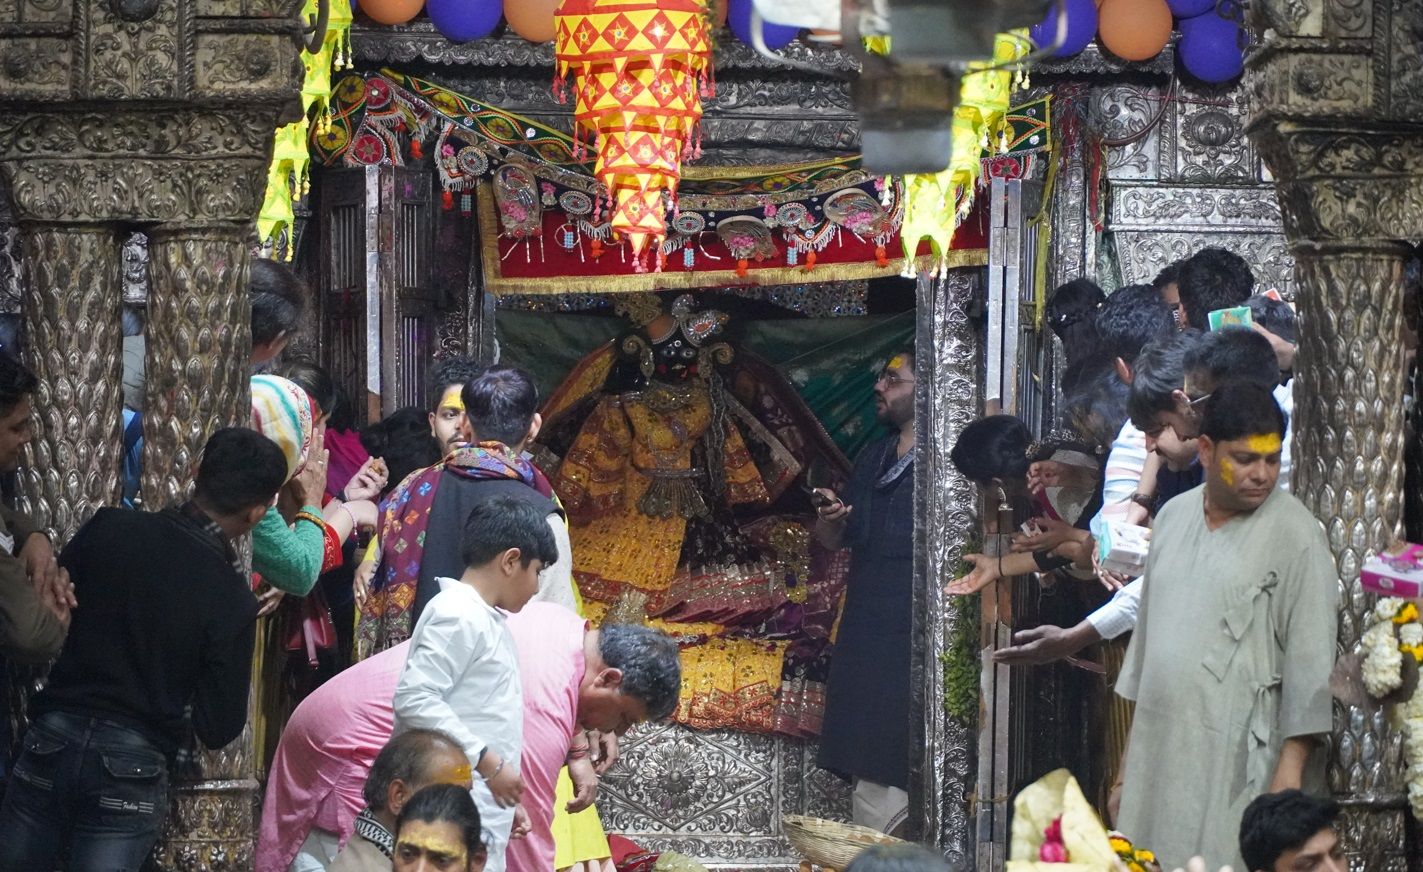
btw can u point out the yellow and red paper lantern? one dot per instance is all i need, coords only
(638, 70)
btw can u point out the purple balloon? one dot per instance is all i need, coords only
(1190, 8)
(1081, 27)
(464, 20)
(738, 17)
(1210, 48)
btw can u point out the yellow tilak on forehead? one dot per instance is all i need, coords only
(896, 362)
(452, 398)
(457, 774)
(1264, 443)
(433, 845)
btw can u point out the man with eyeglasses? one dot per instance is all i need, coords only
(866, 733)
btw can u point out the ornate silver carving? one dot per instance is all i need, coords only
(199, 343)
(129, 60)
(1074, 240)
(1092, 61)
(1348, 182)
(1203, 138)
(716, 795)
(135, 276)
(1396, 25)
(1141, 255)
(1128, 112)
(10, 259)
(75, 349)
(420, 42)
(1243, 220)
(1348, 452)
(35, 68)
(1162, 206)
(1324, 85)
(946, 400)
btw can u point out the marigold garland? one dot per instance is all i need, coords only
(1396, 631)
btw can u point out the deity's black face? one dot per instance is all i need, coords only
(674, 358)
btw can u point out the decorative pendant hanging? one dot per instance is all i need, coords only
(937, 203)
(287, 178)
(638, 69)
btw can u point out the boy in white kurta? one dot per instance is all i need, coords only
(461, 676)
(1230, 663)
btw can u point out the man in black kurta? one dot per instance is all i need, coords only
(866, 733)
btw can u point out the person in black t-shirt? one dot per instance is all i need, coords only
(165, 623)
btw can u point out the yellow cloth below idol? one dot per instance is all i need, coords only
(577, 838)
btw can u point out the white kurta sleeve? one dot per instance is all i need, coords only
(1118, 615)
(441, 650)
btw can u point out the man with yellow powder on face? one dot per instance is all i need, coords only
(1230, 663)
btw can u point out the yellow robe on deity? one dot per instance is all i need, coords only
(629, 484)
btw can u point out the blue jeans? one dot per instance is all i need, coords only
(86, 789)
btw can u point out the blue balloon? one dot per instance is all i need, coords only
(1190, 8)
(464, 20)
(738, 17)
(1210, 48)
(1081, 27)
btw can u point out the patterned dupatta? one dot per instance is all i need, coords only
(386, 618)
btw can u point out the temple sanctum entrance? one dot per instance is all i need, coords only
(512, 194)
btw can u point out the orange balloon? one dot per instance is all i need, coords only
(531, 19)
(1134, 30)
(391, 11)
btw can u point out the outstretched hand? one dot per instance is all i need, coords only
(1038, 645)
(985, 572)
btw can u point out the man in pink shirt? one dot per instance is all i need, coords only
(574, 679)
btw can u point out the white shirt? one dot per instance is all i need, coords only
(461, 677)
(556, 579)
(1122, 477)
(1118, 615)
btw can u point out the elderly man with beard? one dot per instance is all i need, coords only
(866, 733)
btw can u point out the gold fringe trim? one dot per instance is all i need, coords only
(495, 283)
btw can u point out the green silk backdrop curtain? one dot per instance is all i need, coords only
(831, 362)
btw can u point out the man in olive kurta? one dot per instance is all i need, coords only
(1230, 663)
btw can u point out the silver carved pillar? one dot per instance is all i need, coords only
(199, 350)
(197, 372)
(75, 348)
(1337, 114)
(941, 778)
(1348, 454)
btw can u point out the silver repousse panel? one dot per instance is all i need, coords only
(717, 795)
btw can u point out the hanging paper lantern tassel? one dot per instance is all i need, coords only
(743, 268)
(881, 257)
(447, 200)
(417, 151)
(810, 260)
(596, 248)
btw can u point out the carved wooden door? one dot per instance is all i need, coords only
(377, 292)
